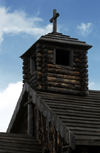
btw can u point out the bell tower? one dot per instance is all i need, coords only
(57, 63)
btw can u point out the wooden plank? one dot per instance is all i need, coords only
(30, 120)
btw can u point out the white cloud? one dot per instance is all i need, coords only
(94, 86)
(8, 100)
(18, 22)
(85, 29)
(91, 84)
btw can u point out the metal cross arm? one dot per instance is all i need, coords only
(54, 20)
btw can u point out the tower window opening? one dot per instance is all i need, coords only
(63, 57)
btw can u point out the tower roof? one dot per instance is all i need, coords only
(58, 39)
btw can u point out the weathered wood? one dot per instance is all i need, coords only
(25, 62)
(54, 79)
(84, 61)
(33, 74)
(84, 75)
(83, 56)
(48, 51)
(30, 119)
(25, 71)
(39, 77)
(48, 56)
(47, 129)
(51, 137)
(33, 78)
(62, 85)
(25, 66)
(44, 132)
(33, 81)
(61, 76)
(39, 131)
(45, 46)
(84, 65)
(84, 52)
(39, 45)
(48, 60)
(54, 143)
(25, 80)
(58, 142)
(83, 70)
(39, 63)
(39, 73)
(76, 65)
(62, 90)
(75, 55)
(38, 59)
(36, 83)
(85, 93)
(25, 76)
(54, 20)
(76, 60)
(60, 71)
(37, 123)
(61, 144)
(25, 59)
(38, 55)
(38, 50)
(39, 68)
(39, 87)
(84, 88)
(84, 83)
(59, 66)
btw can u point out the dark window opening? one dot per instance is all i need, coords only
(32, 65)
(64, 57)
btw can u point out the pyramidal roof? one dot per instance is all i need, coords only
(59, 38)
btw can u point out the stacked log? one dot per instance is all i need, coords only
(35, 79)
(26, 69)
(83, 73)
(50, 76)
(60, 78)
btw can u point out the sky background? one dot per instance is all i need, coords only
(22, 22)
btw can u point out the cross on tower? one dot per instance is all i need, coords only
(54, 20)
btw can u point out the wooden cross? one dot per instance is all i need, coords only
(54, 20)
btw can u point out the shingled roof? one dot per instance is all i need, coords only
(58, 38)
(81, 115)
(18, 143)
(77, 118)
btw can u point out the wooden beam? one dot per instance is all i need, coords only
(30, 119)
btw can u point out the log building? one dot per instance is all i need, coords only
(56, 112)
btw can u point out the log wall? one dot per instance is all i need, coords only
(57, 78)
(83, 73)
(26, 69)
(65, 79)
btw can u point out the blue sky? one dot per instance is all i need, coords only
(23, 22)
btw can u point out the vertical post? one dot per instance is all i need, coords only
(30, 120)
(54, 21)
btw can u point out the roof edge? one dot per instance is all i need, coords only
(47, 112)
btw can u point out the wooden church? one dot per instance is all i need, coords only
(56, 112)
